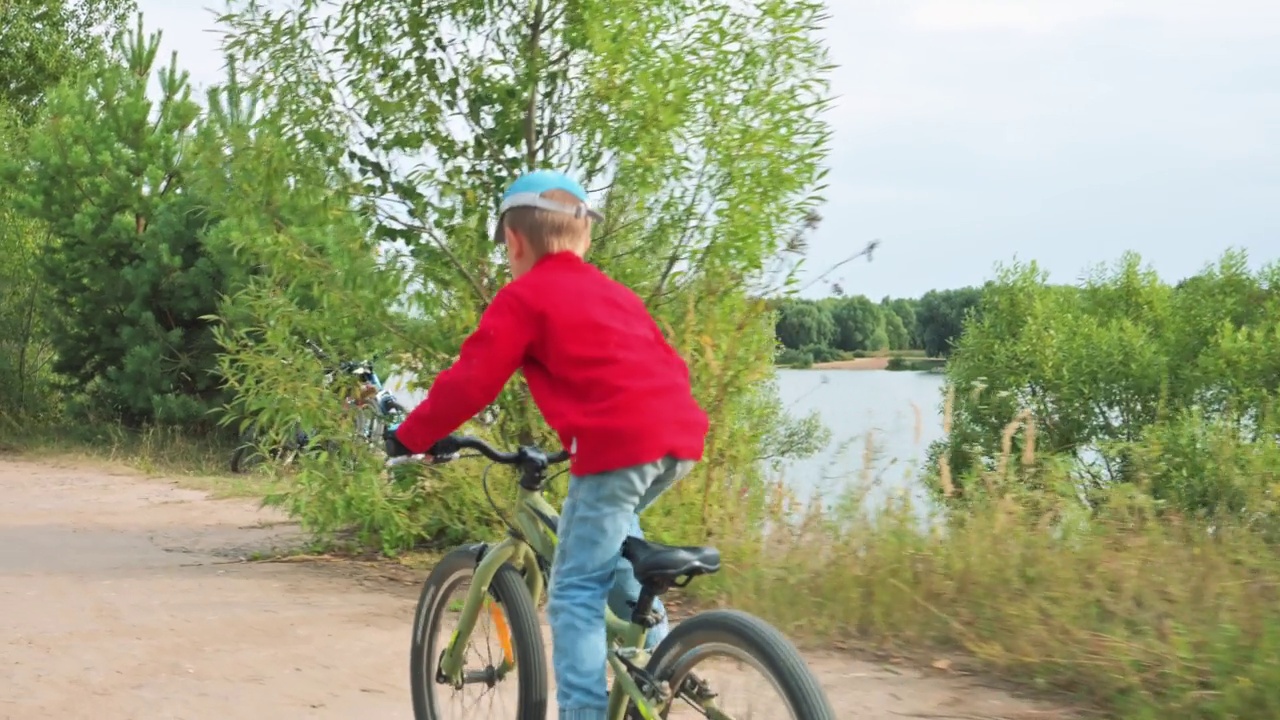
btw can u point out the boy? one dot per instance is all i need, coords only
(611, 387)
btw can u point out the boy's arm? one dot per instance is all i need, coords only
(487, 359)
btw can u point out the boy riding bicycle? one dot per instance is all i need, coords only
(615, 392)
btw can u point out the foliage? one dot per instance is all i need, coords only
(915, 364)
(1129, 608)
(941, 316)
(798, 359)
(128, 274)
(318, 279)
(803, 324)
(859, 323)
(43, 42)
(1121, 363)
(856, 325)
(904, 309)
(25, 353)
(822, 353)
(677, 114)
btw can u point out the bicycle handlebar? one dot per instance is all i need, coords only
(448, 447)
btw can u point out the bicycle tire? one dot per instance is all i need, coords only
(509, 589)
(366, 422)
(245, 453)
(678, 653)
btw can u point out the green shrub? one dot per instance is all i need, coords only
(822, 353)
(1130, 606)
(1101, 364)
(794, 358)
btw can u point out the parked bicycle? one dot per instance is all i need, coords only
(506, 583)
(373, 408)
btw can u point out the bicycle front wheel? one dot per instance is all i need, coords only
(505, 677)
(753, 649)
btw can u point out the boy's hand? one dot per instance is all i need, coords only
(445, 447)
(394, 447)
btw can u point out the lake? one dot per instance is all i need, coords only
(881, 425)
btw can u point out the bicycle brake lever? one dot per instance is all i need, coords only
(421, 459)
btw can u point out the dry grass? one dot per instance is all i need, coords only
(194, 461)
(1131, 609)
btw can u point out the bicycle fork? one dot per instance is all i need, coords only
(450, 667)
(631, 681)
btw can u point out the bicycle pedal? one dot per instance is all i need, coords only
(697, 689)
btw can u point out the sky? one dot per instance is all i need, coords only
(968, 133)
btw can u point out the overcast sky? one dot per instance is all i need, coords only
(1064, 131)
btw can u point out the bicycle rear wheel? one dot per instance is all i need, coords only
(750, 641)
(510, 615)
(247, 453)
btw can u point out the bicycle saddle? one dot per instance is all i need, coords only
(655, 563)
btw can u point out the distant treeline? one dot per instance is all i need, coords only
(836, 328)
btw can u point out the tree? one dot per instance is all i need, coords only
(896, 333)
(25, 352)
(801, 324)
(940, 318)
(859, 324)
(129, 273)
(695, 125)
(905, 310)
(43, 42)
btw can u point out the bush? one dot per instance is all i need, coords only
(794, 358)
(822, 353)
(1130, 606)
(1103, 365)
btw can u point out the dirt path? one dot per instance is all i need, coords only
(120, 600)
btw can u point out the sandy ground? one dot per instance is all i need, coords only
(869, 363)
(127, 598)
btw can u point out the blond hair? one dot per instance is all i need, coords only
(548, 231)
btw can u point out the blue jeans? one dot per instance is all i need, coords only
(589, 571)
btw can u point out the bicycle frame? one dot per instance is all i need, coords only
(536, 521)
(372, 395)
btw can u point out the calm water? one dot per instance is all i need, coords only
(881, 425)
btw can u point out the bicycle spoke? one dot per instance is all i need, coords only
(733, 687)
(487, 656)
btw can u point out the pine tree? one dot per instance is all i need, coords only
(131, 273)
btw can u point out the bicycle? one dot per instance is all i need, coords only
(375, 408)
(508, 579)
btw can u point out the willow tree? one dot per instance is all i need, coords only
(696, 126)
(43, 42)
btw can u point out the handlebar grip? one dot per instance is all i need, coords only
(448, 445)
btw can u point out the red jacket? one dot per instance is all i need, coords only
(597, 365)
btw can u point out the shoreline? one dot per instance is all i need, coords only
(867, 363)
(880, 364)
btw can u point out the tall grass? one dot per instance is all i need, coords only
(1134, 609)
